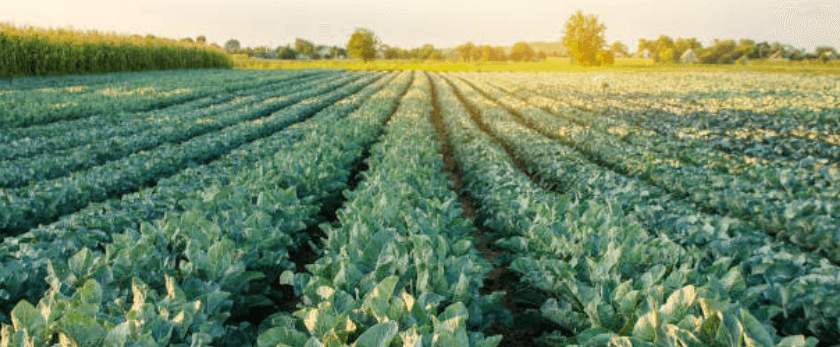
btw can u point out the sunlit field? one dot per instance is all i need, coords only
(313, 207)
(551, 64)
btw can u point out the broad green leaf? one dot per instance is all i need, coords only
(81, 330)
(27, 317)
(378, 300)
(679, 302)
(756, 334)
(646, 326)
(379, 335)
(281, 337)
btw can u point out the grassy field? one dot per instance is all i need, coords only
(549, 65)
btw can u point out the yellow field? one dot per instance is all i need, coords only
(550, 64)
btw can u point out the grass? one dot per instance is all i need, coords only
(549, 65)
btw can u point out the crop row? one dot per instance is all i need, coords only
(25, 257)
(44, 201)
(762, 267)
(180, 280)
(40, 139)
(168, 128)
(400, 267)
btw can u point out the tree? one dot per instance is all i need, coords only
(618, 47)
(391, 52)
(201, 39)
(362, 44)
(232, 45)
(763, 50)
(465, 51)
(644, 44)
(500, 53)
(667, 54)
(584, 36)
(336, 51)
(305, 47)
(187, 40)
(681, 45)
(823, 50)
(542, 55)
(605, 58)
(286, 52)
(747, 47)
(521, 51)
(664, 49)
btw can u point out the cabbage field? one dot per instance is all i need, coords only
(329, 208)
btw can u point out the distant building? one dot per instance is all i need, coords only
(689, 57)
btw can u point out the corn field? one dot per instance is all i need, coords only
(28, 51)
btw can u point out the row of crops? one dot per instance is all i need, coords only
(28, 51)
(315, 208)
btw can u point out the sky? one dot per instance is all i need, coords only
(443, 23)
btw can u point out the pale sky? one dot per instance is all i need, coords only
(444, 23)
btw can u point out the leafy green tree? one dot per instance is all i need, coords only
(286, 52)
(720, 52)
(521, 51)
(605, 58)
(201, 39)
(667, 54)
(662, 43)
(618, 47)
(747, 47)
(305, 47)
(486, 53)
(390, 52)
(823, 50)
(424, 51)
(362, 44)
(465, 51)
(542, 55)
(232, 46)
(500, 53)
(336, 51)
(681, 45)
(584, 36)
(644, 44)
(763, 50)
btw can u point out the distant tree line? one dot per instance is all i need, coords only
(728, 51)
(302, 49)
(583, 42)
(521, 51)
(363, 45)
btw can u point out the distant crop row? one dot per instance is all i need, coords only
(37, 52)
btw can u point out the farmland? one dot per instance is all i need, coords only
(321, 207)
